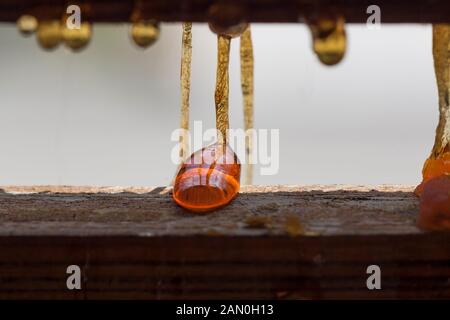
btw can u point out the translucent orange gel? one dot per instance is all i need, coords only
(208, 180)
(434, 167)
(435, 204)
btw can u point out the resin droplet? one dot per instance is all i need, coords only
(208, 180)
(329, 40)
(49, 34)
(145, 32)
(435, 204)
(434, 167)
(27, 24)
(77, 39)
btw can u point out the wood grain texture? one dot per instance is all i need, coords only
(418, 11)
(136, 243)
(322, 210)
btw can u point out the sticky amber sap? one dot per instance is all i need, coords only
(208, 179)
(434, 167)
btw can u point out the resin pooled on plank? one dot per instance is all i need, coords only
(208, 180)
(435, 204)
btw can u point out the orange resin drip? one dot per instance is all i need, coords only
(434, 167)
(435, 204)
(438, 164)
(208, 180)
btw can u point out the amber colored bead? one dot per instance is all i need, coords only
(434, 167)
(145, 33)
(329, 40)
(49, 34)
(435, 204)
(77, 39)
(27, 24)
(227, 19)
(208, 179)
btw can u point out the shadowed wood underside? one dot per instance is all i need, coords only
(398, 11)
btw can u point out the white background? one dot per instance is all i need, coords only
(104, 116)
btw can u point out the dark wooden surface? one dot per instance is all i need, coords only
(418, 11)
(223, 267)
(114, 211)
(271, 242)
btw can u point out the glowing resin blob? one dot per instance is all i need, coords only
(208, 179)
(434, 167)
(435, 204)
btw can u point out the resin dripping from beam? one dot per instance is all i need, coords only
(439, 161)
(209, 179)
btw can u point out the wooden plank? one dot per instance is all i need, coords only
(136, 243)
(392, 11)
(322, 210)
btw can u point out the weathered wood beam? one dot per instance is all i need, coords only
(271, 242)
(322, 210)
(392, 11)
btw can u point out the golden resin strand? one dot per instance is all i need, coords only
(209, 178)
(185, 75)
(439, 161)
(441, 55)
(222, 88)
(247, 84)
(434, 190)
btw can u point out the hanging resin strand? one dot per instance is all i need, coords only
(186, 58)
(246, 52)
(329, 39)
(439, 161)
(209, 179)
(222, 88)
(434, 191)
